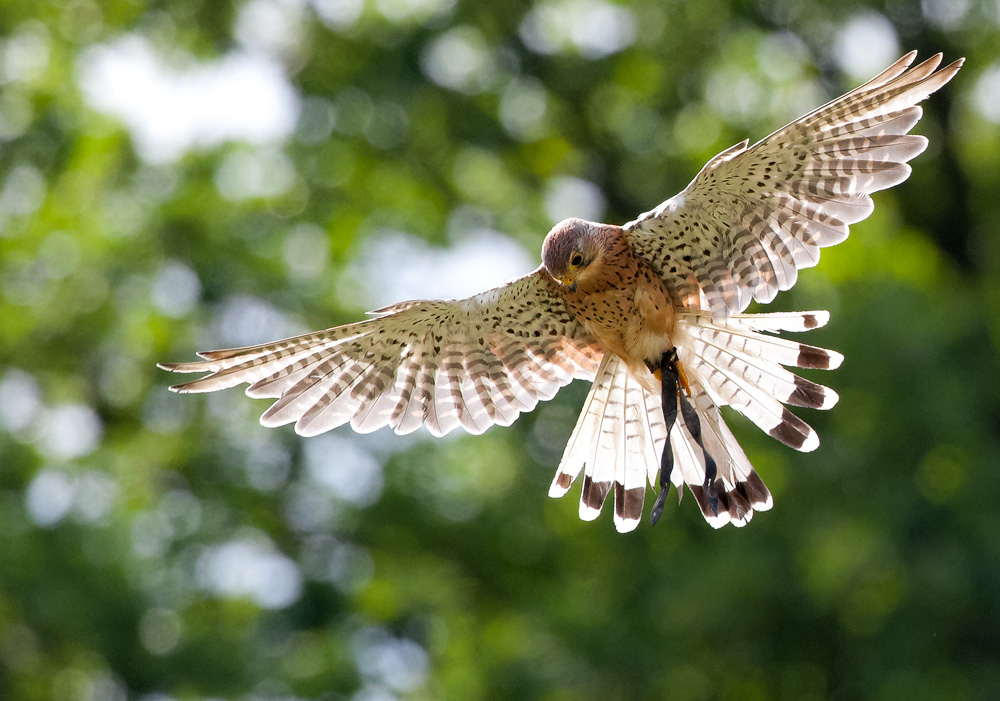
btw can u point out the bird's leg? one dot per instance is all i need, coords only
(669, 384)
(675, 389)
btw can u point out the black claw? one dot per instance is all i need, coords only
(711, 492)
(710, 471)
(654, 515)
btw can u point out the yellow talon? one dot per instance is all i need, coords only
(682, 376)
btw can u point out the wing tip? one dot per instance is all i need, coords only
(196, 366)
(183, 387)
(304, 431)
(949, 71)
(193, 387)
(269, 422)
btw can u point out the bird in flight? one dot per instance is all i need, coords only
(653, 312)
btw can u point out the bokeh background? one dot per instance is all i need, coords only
(180, 175)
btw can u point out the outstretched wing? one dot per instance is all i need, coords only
(754, 216)
(471, 362)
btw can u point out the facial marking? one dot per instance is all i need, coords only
(569, 247)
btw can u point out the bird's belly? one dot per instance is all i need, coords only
(642, 330)
(651, 326)
(648, 347)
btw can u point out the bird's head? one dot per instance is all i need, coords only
(570, 250)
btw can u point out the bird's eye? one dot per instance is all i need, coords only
(576, 261)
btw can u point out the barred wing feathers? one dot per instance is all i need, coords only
(754, 216)
(467, 363)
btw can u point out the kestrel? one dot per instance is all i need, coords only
(651, 312)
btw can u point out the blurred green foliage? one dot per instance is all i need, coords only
(159, 547)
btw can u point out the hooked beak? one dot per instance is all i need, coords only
(569, 282)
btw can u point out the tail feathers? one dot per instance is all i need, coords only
(618, 441)
(739, 366)
(620, 435)
(740, 490)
